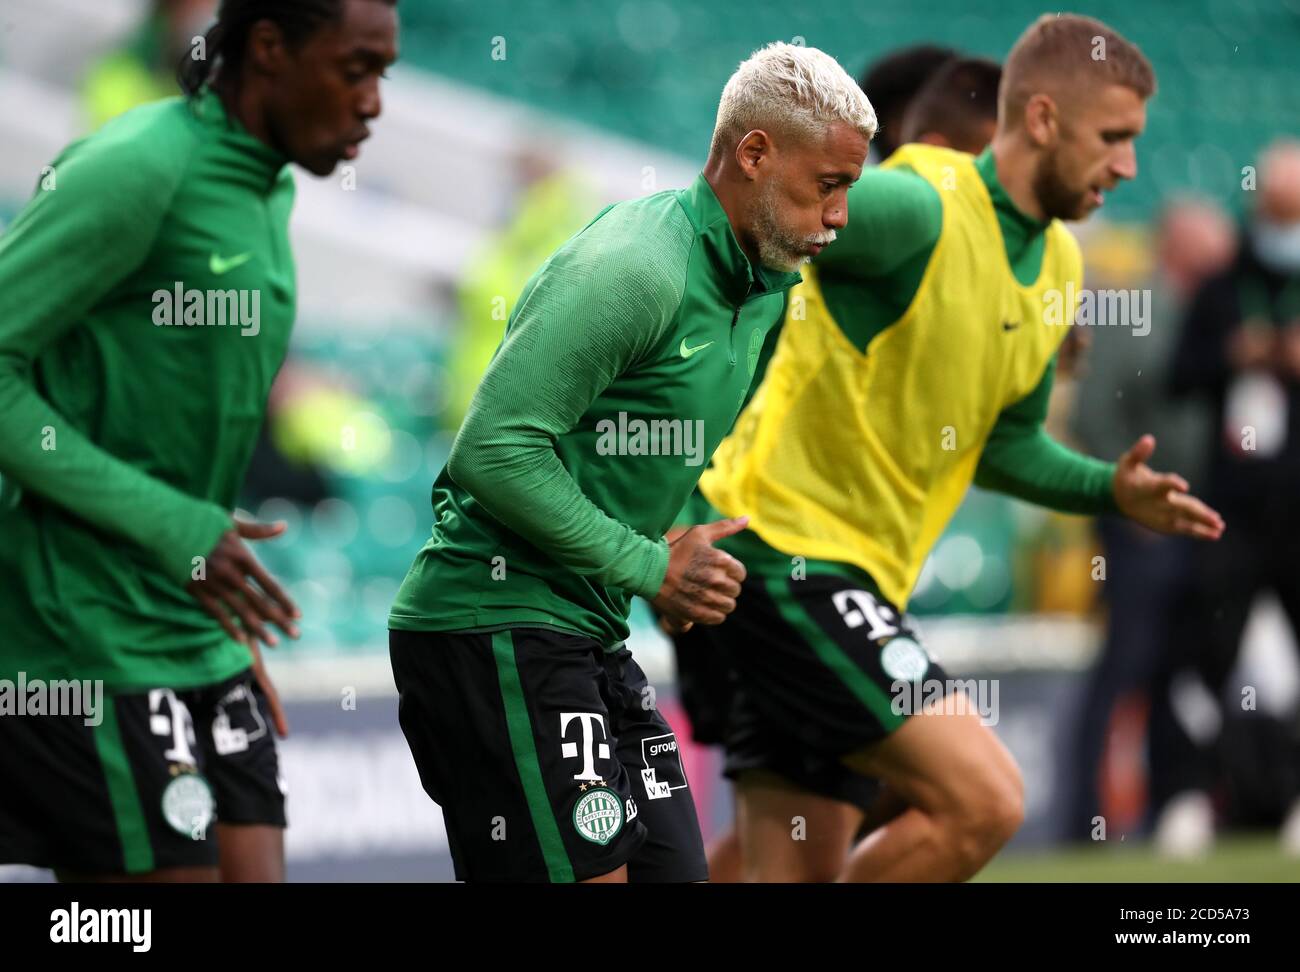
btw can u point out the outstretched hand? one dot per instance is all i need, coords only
(1161, 501)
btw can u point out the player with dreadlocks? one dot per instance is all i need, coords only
(146, 299)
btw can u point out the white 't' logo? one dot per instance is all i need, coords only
(590, 753)
(859, 607)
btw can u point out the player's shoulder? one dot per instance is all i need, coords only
(146, 148)
(656, 226)
(922, 154)
(892, 208)
(898, 186)
(645, 242)
(928, 164)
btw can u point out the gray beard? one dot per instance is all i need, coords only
(777, 248)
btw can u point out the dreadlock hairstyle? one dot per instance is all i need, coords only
(227, 39)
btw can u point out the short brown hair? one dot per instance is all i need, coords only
(1059, 53)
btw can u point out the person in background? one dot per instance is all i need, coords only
(554, 202)
(1240, 353)
(1124, 392)
(891, 82)
(957, 108)
(144, 68)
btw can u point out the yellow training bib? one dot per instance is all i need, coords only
(862, 458)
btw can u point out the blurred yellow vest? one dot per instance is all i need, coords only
(863, 458)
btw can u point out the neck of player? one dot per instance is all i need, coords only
(243, 102)
(1016, 163)
(730, 188)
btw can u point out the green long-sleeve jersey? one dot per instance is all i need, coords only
(623, 365)
(146, 298)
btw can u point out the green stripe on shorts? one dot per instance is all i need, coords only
(137, 851)
(530, 771)
(832, 655)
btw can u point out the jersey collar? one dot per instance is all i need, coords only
(1017, 226)
(260, 160)
(740, 277)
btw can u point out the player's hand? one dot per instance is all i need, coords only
(278, 718)
(702, 582)
(671, 626)
(1160, 500)
(239, 593)
(675, 533)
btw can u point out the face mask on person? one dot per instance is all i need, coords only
(1277, 245)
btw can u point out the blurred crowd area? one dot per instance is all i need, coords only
(512, 123)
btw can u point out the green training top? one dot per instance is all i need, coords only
(623, 365)
(146, 299)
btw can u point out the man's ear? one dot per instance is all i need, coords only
(754, 150)
(1041, 121)
(266, 51)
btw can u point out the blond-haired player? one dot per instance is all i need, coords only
(623, 366)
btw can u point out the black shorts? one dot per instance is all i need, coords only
(141, 789)
(547, 756)
(824, 667)
(705, 684)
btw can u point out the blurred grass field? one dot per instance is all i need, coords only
(1243, 859)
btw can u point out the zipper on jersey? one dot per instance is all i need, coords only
(735, 317)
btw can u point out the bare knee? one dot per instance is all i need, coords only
(988, 815)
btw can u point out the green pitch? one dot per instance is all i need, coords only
(1247, 859)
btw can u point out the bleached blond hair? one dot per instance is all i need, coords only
(786, 87)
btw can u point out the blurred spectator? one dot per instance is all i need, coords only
(554, 204)
(1123, 395)
(1240, 352)
(144, 69)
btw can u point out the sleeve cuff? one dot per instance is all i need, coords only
(199, 533)
(1108, 504)
(656, 569)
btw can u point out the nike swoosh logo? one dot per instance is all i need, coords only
(687, 352)
(218, 265)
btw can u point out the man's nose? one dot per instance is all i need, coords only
(836, 215)
(371, 104)
(1125, 165)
